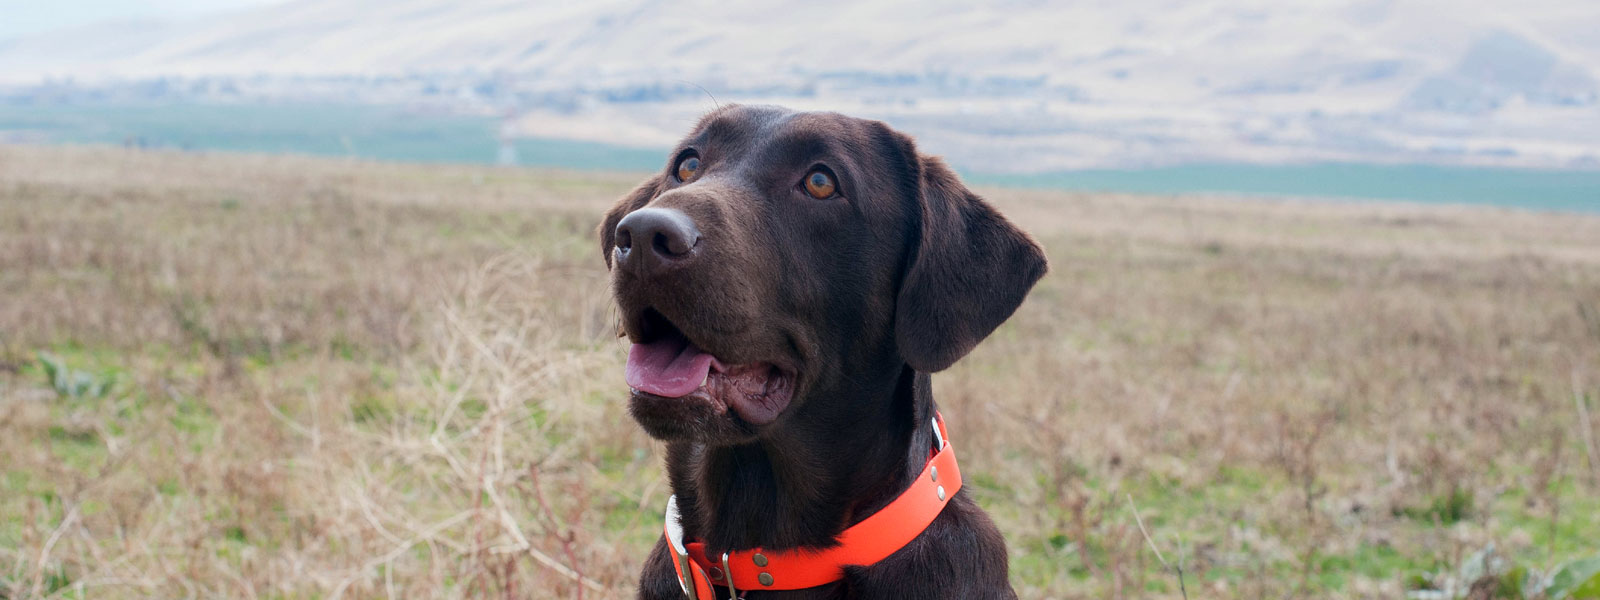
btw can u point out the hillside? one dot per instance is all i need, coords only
(1022, 86)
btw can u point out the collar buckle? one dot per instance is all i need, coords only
(727, 573)
(870, 540)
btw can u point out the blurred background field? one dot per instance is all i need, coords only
(412, 133)
(266, 377)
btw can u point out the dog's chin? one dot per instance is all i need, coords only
(695, 418)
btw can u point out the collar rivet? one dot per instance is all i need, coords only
(908, 516)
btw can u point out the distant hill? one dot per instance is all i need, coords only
(1024, 85)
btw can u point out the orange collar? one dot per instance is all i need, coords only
(863, 544)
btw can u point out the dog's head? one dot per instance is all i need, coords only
(782, 255)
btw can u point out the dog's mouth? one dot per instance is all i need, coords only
(664, 362)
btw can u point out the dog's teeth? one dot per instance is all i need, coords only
(705, 381)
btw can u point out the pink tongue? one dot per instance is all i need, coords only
(668, 367)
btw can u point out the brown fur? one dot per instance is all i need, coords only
(860, 297)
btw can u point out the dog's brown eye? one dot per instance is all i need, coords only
(819, 184)
(688, 167)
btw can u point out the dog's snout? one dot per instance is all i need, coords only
(650, 239)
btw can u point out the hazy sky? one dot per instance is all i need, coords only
(22, 17)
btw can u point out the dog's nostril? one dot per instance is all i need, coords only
(675, 245)
(624, 238)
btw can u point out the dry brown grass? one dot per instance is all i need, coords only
(338, 379)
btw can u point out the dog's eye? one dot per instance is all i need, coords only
(819, 184)
(688, 168)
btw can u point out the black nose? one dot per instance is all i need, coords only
(651, 239)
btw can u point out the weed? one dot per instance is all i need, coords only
(71, 383)
(376, 380)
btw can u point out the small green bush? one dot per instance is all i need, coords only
(70, 383)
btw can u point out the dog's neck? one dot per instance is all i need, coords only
(828, 468)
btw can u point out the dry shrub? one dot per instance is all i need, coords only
(335, 378)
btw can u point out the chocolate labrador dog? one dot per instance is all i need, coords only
(789, 281)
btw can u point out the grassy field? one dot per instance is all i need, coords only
(272, 377)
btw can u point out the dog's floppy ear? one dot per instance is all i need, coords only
(633, 201)
(968, 271)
